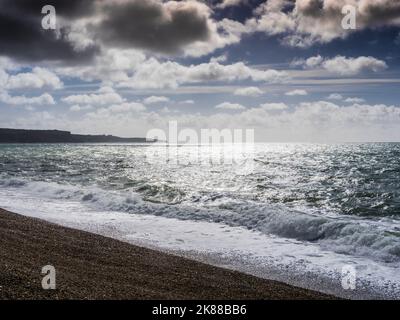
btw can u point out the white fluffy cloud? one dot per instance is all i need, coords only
(157, 75)
(104, 96)
(131, 69)
(311, 63)
(108, 100)
(305, 22)
(273, 106)
(8, 64)
(229, 3)
(230, 106)
(127, 107)
(155, 99)
(78, 108)
(37, 79)
(221, 58)
(345, 66)
(352, 66)
(354, 100)
(44, 99)
(187, 101)
(310, 121)
(335, 96)
(111, 65)
(248, 92)
(297, 92)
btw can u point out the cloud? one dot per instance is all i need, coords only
(78, 108)
(222, 58)
(7, 64)
(111, 65)
(187, 102)
(352, 66)
(70, 8)
(118, 111)
(121, 108)
(85, 28)
(345, 66)
(20, 28)
(335, 96)
(248, 92)
(37, 79)
(165, 27)
(155, 99)
(229, 106)
(273, 106)
(157, 75)
(127, 107)
(313, 62)
(103, 96)
(131, 69)
(223, 33)
(354, 100)
(319, 121)
(189, 28)
(230, 3)
(44, 99)
(306, 22)
(297, 92)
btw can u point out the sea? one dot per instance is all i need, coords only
(319, 216)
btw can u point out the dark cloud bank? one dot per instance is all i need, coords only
(152, 25)
(149, 25)
(23, 38)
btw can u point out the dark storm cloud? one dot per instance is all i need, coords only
(165, 27)
(380, 13)
(370, 12)
(65, 8)
(155, 26)
(22, 36)
(24, 39)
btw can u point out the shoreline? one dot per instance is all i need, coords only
(90, 266)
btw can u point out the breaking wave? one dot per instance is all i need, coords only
(378, 240)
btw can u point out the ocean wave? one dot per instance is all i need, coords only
(377, 240)
(160, 193)
(12, 182)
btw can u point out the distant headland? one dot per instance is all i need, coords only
(57, 136)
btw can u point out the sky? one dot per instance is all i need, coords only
(286, 68)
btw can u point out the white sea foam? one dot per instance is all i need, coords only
(378, 240)
(291, 246)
